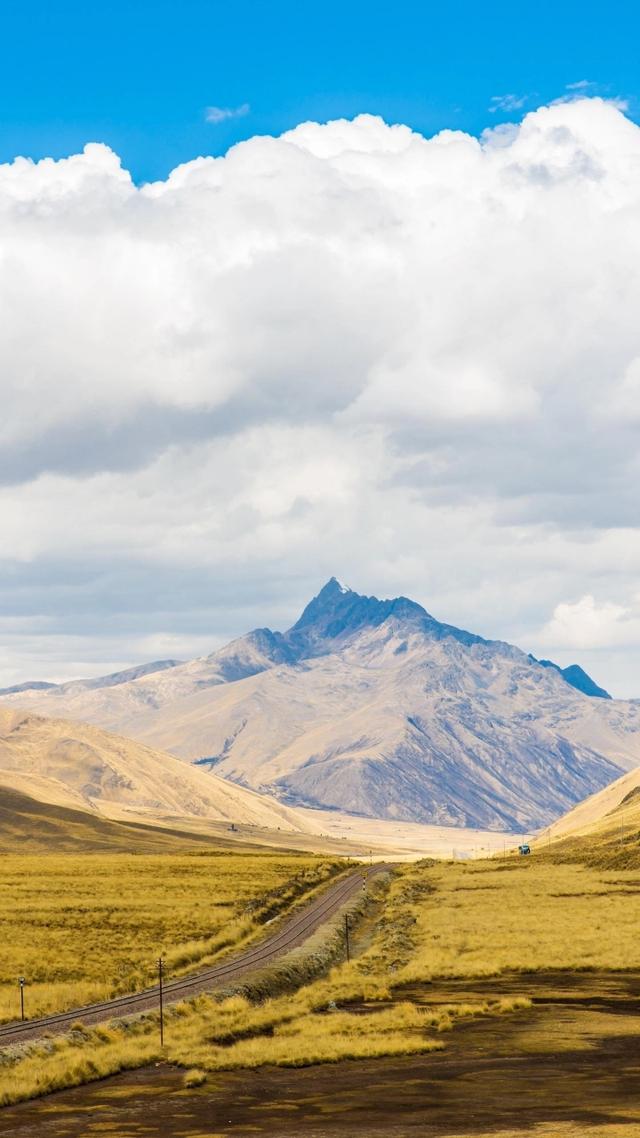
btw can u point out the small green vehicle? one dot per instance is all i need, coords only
(524, 849)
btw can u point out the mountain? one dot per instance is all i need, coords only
(78, 766)
(578, 678)
(377, 708)
(109, 681)
(28, 685)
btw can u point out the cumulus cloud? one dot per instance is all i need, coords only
(587, 623)
(217, 115)
(352, 349)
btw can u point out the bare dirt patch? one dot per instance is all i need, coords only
(569, 1068)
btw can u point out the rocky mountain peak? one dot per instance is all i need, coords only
(577, 678)
(337, 611)
(333, 596)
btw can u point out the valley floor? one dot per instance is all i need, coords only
(495, 996)
(406, 841)
(566, 1068)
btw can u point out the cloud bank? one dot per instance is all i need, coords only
(414, 362)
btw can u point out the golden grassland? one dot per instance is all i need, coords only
(614, 844)
(523, 915)
(433, 922)
(82, 928)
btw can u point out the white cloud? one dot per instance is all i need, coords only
(411, 362)
(587, 623)
(507, 103)
(587, 88)
(217, 115)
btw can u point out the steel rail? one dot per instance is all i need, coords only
(294, 932)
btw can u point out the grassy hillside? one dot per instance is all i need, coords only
(603, 831)
(53, 820)
(30, 826)
(74, 764)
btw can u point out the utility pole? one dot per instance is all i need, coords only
(22, 982)
(160, 988)
(346, 936)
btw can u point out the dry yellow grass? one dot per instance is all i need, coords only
(438, 921)
(207, 1036)
(83, 928)
(313, 1025)
(483, 918)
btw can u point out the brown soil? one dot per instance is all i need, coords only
(570, 1067)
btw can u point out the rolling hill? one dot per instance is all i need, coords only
(376, 708)
(32, 825)
(616, 806)
(81, 767)
(603, 831)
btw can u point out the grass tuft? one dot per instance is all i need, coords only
(194, 1078)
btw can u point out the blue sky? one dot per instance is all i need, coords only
(140, 75)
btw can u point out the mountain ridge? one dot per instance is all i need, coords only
(291, 646)
(113, 679)
(377, 708)
(578, 679)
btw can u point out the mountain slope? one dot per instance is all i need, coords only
(604, 830)
(112, 680)
(80, 766)
(377, 708)
(617, 804)
(578, 679)
(31, 825)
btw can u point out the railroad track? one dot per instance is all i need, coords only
(293, 932)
